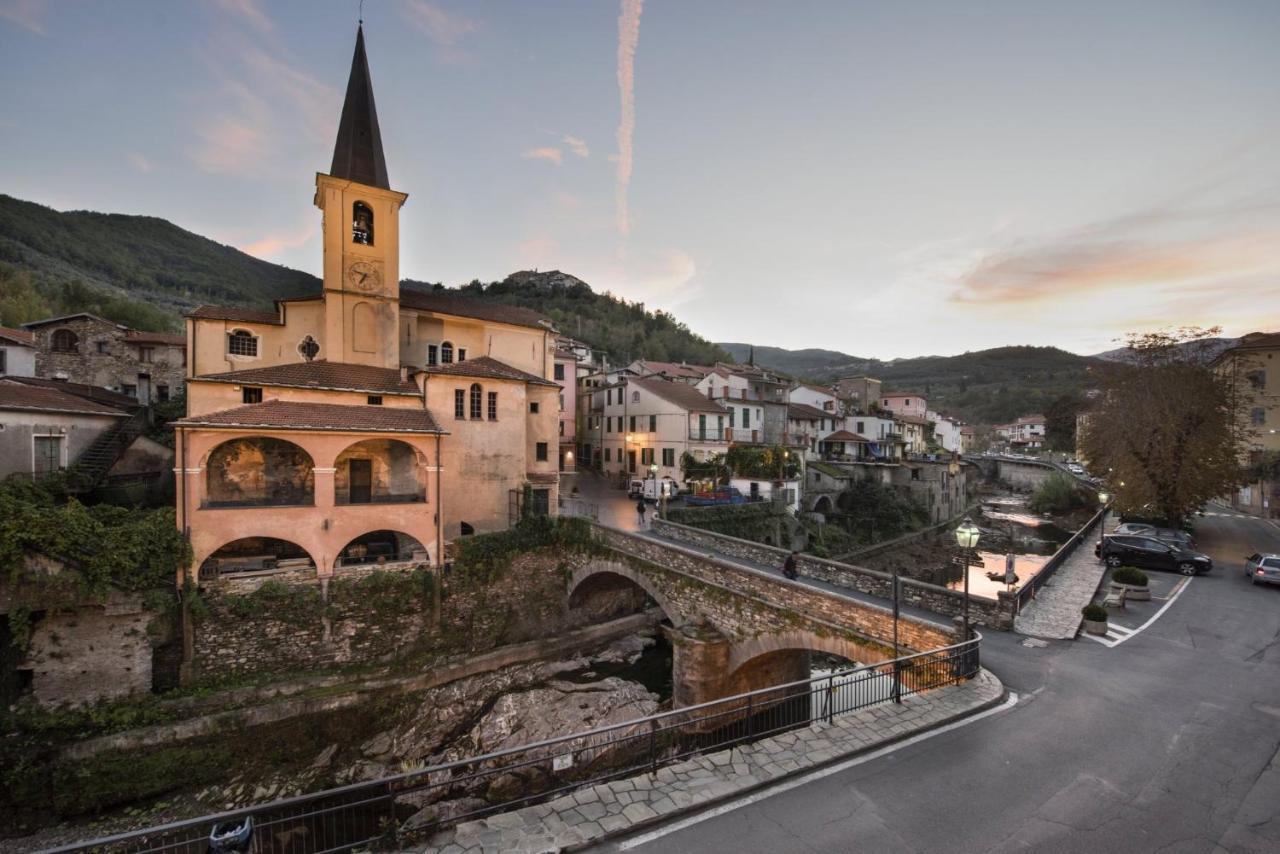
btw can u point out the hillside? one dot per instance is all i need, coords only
(983, 387)
(138, 270)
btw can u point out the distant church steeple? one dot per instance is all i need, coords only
(357, 155)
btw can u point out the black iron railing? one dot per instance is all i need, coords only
(370, 814)
(1027, 592)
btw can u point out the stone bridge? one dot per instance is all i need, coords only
(1023, 475)
(736, 629)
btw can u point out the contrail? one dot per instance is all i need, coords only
(628, 36)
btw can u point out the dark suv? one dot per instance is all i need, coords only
(1150, 553)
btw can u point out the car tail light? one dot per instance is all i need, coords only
(1260, 571)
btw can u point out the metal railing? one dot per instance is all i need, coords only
(1027, 592)
(368, 814)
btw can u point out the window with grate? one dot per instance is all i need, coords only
(65, 341)
(493, 406)
(653, 424)
(446, 353)
(459, 403)
(242, 343)
(375, 400)
(432, 354)
(559, 372)
(251, 395)
(477, 401)
(540, 452)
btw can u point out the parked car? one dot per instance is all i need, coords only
(1150, 553)
(1169, 535)
(1262, 568)
(651, 489)
(1076, 468)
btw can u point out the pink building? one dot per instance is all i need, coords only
(905, 403)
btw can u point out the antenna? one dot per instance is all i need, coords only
(360, 20)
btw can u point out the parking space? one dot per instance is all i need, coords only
(1125, 622)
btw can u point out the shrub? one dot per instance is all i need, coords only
(1094, 613)
(1130, 575)
(1059, 494)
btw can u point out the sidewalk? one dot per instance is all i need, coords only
(622, 807)
(1055, 612)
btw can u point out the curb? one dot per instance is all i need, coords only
(675, 815)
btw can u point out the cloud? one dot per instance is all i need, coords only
(139, 162)
(551, 155)
(269, 246)
(250, 11)
(628, 38)
(28, 14)
(229, 146)
(443, 28)
(577, 146)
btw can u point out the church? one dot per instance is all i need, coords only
(366, 423)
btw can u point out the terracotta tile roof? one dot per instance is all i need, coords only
(59, 319)
(40, 398)
(334, 376)
(292, 415)
(98, 394)
(682, 395)
(805, 412)
(909, 419)
(675, 369)
(566, 354)
(236, 315)
(167, 338)
(445, 302)
(845, 436)
(17, 336)
(487, 367)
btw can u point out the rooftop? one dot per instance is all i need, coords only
(236, 315)
(444, 302)
(166, 338)
(97, 394)
(332, 376)
(682, 395)
(43, 398)
(290, 415)
(845, 436)
(18, 337)
(488, 367)
(805, 412)
(674, 369)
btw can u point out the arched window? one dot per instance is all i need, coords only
(446, 353)
(241, 342)
(362, 224)
(635, 397)
(65, 341)
(477, 401)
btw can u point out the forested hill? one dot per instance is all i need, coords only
(984, 387)
(138, 270)
(625, 330)
(146, 272)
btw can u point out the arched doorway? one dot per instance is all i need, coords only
(381, 547)
(255, 554)
(823, 504)
(379, 471)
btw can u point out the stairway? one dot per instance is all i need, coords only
(97, 459)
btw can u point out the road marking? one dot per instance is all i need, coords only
(788, 785)
(1108, 641)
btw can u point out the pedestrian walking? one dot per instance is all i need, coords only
(641, 509)
(789, 566)
(1010, 570)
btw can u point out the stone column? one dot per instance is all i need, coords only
(324, 498)
(700, 664)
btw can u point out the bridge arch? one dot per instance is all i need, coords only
(744, 652)
(604, 569)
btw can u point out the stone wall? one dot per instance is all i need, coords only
(106, 356)
(930, 597)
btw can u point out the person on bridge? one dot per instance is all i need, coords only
(641, 509)
(789, 566)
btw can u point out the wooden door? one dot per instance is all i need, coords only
(360, 481)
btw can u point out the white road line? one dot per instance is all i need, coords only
(646, 838)
(1119, 629)
(1108, 641)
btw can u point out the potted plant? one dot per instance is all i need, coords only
(1134, 581)
(1095, 619)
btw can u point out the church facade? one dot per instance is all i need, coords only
(365, 423)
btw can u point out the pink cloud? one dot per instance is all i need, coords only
(551, 155)
(250, 11)
(272, 244)
(442, 27)
(576, 145)
(28, 14)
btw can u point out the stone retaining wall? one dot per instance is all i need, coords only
(930, 597)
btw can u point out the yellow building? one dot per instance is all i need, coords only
(1253, 366)
(364, 423)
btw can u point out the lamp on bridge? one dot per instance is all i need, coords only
(967, 536)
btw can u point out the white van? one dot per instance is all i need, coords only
(651, 489)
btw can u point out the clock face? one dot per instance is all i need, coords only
(364, 276)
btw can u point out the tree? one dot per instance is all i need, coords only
(1060, 420)
(1164, 429)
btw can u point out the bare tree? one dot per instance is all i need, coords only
(1166, 431)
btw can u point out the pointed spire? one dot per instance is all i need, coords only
(357, 155)
(751, 360)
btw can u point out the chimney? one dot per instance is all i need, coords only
(404, 373)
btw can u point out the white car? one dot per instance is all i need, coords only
(1076, 468)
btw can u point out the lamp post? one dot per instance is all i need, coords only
(1104, 498)
(967, 536)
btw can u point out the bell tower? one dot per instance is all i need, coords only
(361, 227)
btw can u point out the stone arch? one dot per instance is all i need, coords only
(254, 554)
(381, 546)
(822, 504)
(258, 471)
(597, 568)
(861, 651)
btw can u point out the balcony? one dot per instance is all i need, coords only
(709, 434)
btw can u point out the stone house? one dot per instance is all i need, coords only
(84, 348)
(366, 423)
(861, 392)
(17, 353)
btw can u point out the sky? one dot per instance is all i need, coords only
(885, 179)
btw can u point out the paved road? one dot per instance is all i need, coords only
(1165, 743)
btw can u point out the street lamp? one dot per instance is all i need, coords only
(1104, 498)
(967, 536)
